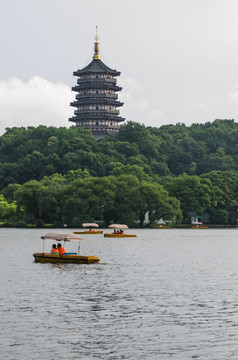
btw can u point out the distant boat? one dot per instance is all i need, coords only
(91, 229)
(72, 258)
(196, 224)
(162, 226)
(118, 231)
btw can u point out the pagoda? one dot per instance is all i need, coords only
(96, 100)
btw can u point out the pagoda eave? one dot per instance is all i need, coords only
(79, 73)
(96, 102)
(95, 67)
(96, 117)
(96, 86)
(101, 127)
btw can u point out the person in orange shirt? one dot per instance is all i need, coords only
(61, 249)
(54, 250)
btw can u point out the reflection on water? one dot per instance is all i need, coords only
(167, 294)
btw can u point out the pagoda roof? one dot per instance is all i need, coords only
(96, 117)
(96, 66)
(96, 101)
(84, 86)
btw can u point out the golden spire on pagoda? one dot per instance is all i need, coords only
(96, 47)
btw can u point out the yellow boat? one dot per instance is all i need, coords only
(118, 231)
(162, 227)
(119, 235)
(91, 230)
(72, 258)
(64, 259)
(198, 227)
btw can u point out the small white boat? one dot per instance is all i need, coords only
(196, 224)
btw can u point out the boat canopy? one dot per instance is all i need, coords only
(118, 226)
(90, 225)
(62, 237)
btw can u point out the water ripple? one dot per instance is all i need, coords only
(163, 295)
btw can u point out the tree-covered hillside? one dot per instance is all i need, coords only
(33, 153)
(58, 174)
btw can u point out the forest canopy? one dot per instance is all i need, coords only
(57, 175)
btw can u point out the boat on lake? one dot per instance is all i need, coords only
(197, 224)
(119, 231)
(162, 227)
(68, 257)
(91, 229)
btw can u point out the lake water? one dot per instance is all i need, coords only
(166, 294)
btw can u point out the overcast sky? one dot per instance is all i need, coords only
(178, 58)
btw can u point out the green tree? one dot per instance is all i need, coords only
(194, 193)
(28, 198)
(76, 174)
(9, 192)
(124, 209)
(87, 199)
(7, 210)
(121, 169)
(153, 199)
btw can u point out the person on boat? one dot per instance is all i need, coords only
(61, 249)
(54, 250)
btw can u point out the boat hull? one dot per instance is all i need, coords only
(89, 232)
(162, 227)
(72, 259)
(199, 227)
(119, 235)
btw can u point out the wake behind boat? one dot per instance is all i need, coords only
(118, 231)
(91, 229)
(75, 258)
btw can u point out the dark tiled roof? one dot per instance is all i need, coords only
(96, 117)
(96, 101)
(96, 66)
(96, 86)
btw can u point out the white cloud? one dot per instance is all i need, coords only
(35, 102)
(133, 96)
